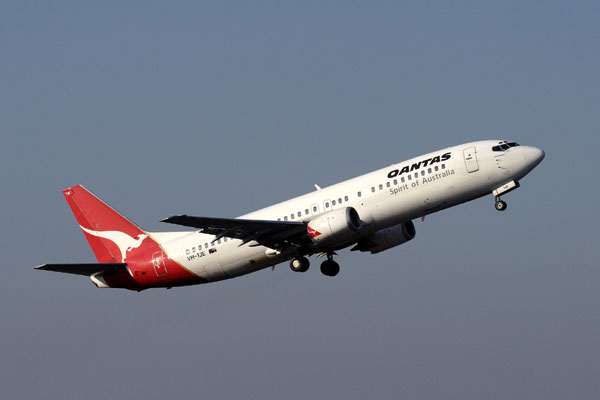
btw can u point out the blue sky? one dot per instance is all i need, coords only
(218, 109)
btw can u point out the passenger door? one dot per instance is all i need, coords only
(158, 262)
(470, 156)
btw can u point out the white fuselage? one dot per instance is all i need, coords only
(382, 198)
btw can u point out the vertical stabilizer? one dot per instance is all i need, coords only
(111, 236)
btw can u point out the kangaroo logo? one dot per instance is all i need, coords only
(313, 233)
(123, 241)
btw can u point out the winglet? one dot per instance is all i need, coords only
(175, 219)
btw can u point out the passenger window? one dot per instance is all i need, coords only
(402, 179)
(299, 214)
(429, 171)
(436, 168)
(327, 205)
(219, 241)
(416, 175)
(345, 198)
(409, 177)
(225, 239)
(373, 189)
(278, 219)
(333, 202)
(315, 209)
(187, 252)
(443, 166)
(380, 187)
(291, 216)
(388, 184)
(395, 181)
(306, 212)
(423, 173)
(340, 200)
(206, 245)
(359, 194)
(193, 249)
(285, 218)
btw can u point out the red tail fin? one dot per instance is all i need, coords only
(110, 235)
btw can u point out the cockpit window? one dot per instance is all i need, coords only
(502, 146)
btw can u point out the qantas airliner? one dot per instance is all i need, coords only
(372, 213)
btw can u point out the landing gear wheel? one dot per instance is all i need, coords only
(501, 205)
(299, 264)
(330, 268)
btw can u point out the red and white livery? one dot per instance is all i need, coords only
(372, 212)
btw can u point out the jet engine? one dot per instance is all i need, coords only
(336, 226)
(387, 238)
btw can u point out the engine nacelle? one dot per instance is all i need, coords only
(387, 238)
(335, 226)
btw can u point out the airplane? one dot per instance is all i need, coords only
(372, 213)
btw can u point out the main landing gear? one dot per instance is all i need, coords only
(299, 264)
(328, 267)
(500, 204)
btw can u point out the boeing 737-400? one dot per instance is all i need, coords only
(372, 213)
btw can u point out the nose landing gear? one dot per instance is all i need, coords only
(500, 204)
(504, 189)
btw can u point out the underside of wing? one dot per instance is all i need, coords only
(83, 269)
(273, 234)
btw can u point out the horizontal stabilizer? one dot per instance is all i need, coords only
(83, 269)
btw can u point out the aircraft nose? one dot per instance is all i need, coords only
(533, 155)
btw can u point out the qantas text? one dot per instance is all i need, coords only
(416, 166)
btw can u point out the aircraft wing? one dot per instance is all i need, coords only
(273, 234)
(83, 269)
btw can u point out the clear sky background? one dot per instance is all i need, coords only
(221, 108)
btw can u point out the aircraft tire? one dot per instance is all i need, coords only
(299, 264)
(501, 205)
(330, 268)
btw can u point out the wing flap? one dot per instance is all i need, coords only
(83, 269)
